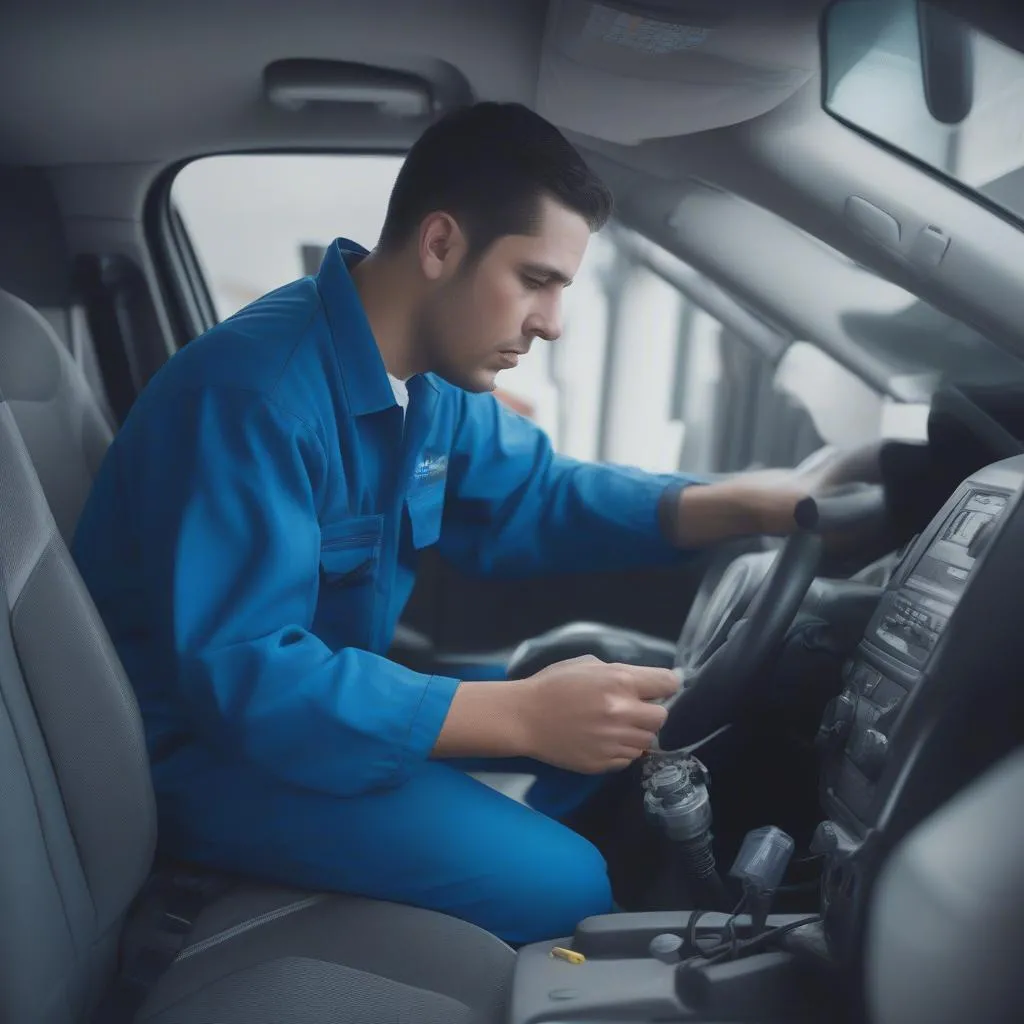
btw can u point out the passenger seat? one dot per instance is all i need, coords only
(78, 823)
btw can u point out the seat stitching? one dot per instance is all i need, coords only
(246, 926)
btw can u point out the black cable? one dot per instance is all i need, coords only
(727, 940)
(764, 939)
(731, 945)
(730, 928)
(730, 925)
(696, 915)
(760, 906)
(691, 930)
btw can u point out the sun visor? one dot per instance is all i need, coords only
(627, 72)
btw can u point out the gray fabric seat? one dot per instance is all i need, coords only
(78, 823)
(66, 433)
(272, 956)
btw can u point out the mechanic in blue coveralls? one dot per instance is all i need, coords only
(252, 538)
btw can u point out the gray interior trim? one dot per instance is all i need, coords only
(33, 248)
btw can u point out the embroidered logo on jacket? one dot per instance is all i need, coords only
(432, 467)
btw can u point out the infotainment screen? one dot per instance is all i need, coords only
(911, 619)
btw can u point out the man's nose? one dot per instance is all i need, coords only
(546, 324)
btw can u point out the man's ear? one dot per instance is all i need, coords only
(442, 246)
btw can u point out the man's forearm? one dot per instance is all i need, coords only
(704, 514)
(484, 720)
(758, 502)
(700, 515)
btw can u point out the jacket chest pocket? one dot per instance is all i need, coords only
(350, 550)
(426, 509)
(350, 553)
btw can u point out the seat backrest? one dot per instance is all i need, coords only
(946, 928)
(77, 813)
(55, 409)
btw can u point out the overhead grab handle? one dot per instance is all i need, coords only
(294, 84)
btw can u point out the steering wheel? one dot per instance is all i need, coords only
(723, 655)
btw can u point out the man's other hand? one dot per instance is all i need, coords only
(592, 717)
(763, 502)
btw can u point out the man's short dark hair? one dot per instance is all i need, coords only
(488, 165)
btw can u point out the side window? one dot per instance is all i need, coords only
(686, 393)
(642, 427)
(257, 222)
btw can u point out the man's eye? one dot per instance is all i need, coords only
(533, 284)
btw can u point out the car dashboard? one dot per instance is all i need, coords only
(929, 698)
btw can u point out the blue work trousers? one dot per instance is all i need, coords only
(441, 840)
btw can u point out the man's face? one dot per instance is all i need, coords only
(480, 317)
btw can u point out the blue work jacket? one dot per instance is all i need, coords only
(252, 536)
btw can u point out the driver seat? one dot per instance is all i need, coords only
(78, 828)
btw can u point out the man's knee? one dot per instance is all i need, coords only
(554, 886)
(583, 887)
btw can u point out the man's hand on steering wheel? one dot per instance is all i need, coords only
(805, 505)
(764, 502)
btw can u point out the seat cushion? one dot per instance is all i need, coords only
(278, 956)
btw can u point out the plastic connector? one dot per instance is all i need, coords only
(761, 865)
(763, 858)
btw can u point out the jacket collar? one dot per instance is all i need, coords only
(362, 370)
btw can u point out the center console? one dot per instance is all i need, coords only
(642, 967)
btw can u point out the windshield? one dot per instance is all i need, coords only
(932, 87)
(927, 349)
